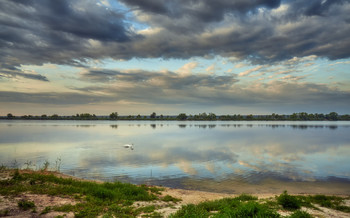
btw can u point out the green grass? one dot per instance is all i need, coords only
(169, 198)
(289, 202)
(241, 206)
(46, 210)
(332, 202)
(94, 199)
(4, 212)
(249, 206)
(26, 205)
(300, 214)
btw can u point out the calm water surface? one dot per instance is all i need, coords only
(183, 154)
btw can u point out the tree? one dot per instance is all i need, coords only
(113, 116)
(211, 116)
(332, 116)
(10, 116)
(182, 116)
(153, 115)
(54, 117)
(250, 117)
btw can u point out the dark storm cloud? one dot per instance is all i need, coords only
(202, 91)
(72, 32)
(207, 90)
(56, 31)
(315, 7)
(166, 79)
(9, 71)
(201, 10)
(67, 98)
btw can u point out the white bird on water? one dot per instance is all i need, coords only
(129, 146)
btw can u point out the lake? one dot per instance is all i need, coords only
(217, 156)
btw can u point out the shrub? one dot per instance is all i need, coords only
(300, 214)
(26, 205)
(288, 202)
(168, 198)
(250, 209)
(245, 197)
(189, 211)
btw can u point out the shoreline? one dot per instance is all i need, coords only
(267, 188)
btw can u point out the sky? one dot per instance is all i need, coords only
(174, 56)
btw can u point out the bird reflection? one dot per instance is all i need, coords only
(130, 146)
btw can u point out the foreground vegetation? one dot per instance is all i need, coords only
(250, 206)
(94, 199)
(117, 199)
(303, 116)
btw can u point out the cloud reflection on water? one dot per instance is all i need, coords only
(250, 152)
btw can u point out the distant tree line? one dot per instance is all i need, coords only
(303, 116)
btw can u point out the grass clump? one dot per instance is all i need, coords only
(245, 197)
(147, 209)
(26, 205)
(332, 202)
(191, 210)
(241, 206)
(300, 214)
(168, 198)
(5, 212)
(46, 210)
(249, 209)
(289, 202)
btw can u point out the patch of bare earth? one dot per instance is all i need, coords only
(9, 205)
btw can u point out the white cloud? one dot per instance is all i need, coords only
(211, 69)
(247, 72)
(187, 69)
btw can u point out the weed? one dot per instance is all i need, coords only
(16, 175)
(5, 212)
(58, 164)
(155, 190)
(2, 167)
(34, 210)
(26, 205)
(300, 214)
(249, 209)
(14, 164)
(153, 215)
(147, 209)
(289, 202)
(169, 198)
(64, 208)
(189, 211)
(271, 204)
(343, 208)
(46, 210)
(330, 202)
(45, 166)
(227, 207)
(245, 197)
(28, 164)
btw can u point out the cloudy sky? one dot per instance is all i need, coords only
(172, 56)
